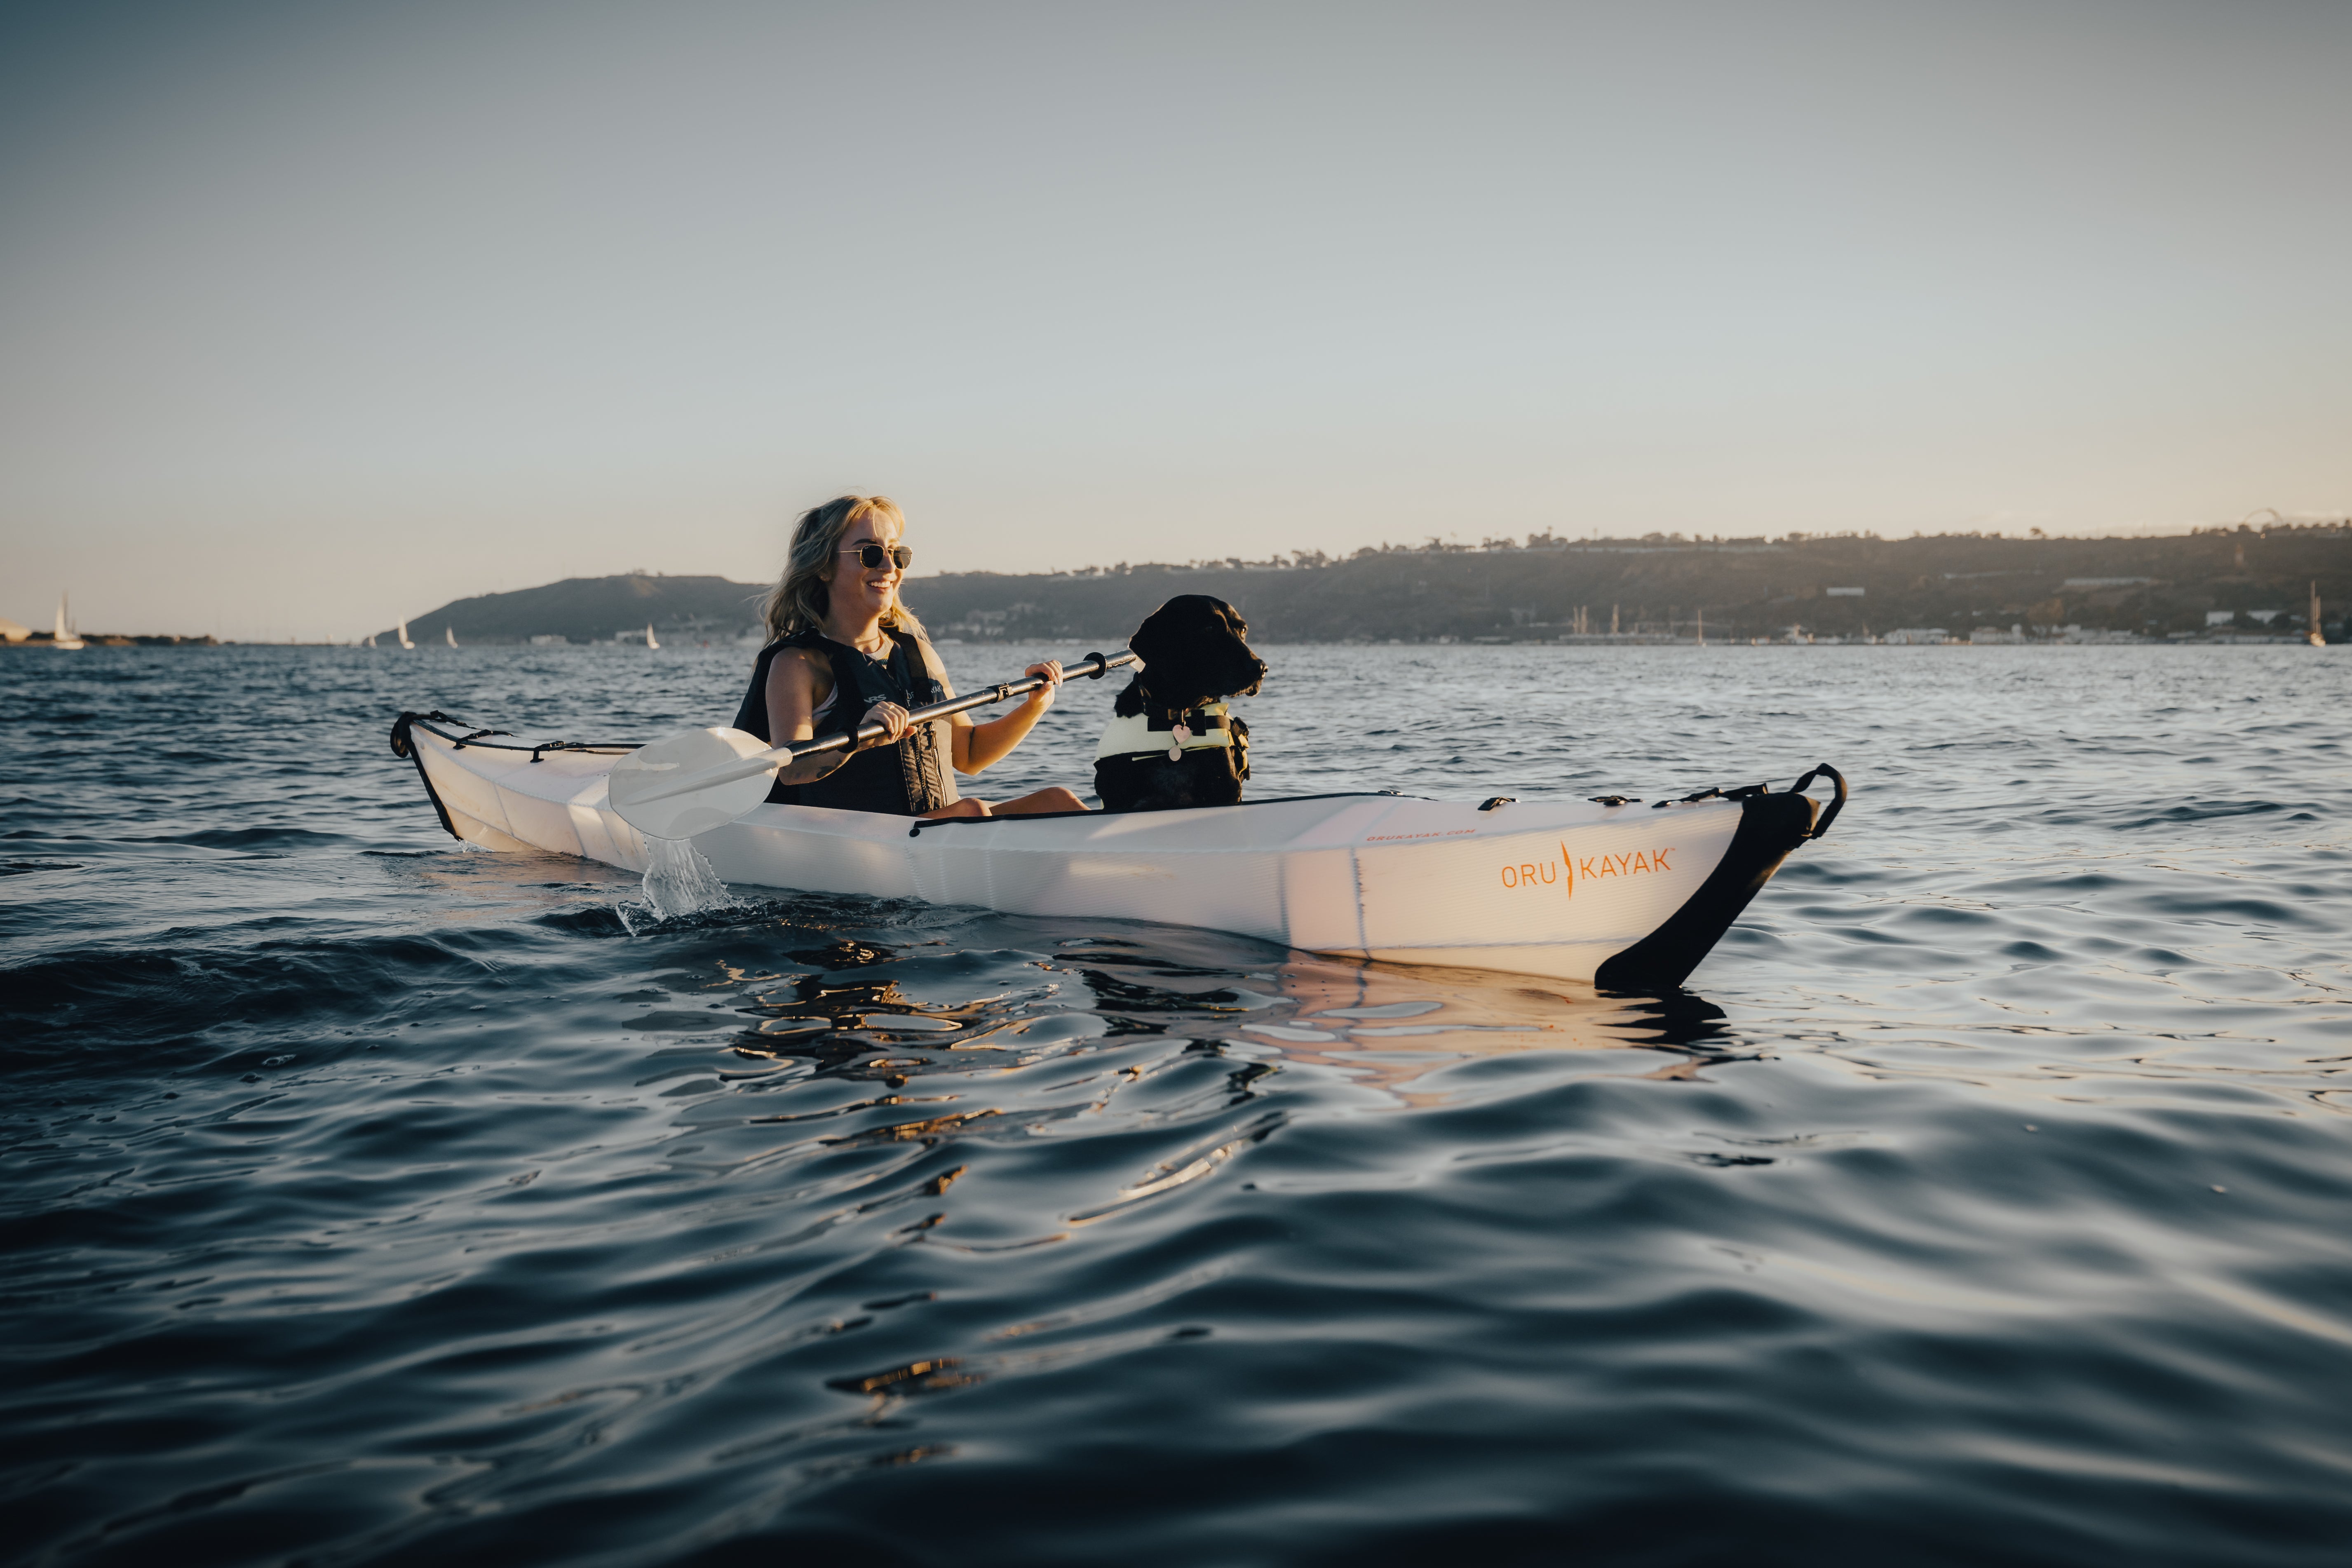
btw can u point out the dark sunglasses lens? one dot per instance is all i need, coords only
(873, 557)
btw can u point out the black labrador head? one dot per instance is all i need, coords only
(1194, 652)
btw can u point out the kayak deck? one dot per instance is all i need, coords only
(1627, 895)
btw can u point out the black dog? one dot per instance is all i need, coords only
(1194, 656)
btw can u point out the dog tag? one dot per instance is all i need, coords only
(1177, 736)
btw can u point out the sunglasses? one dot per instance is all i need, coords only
(875, 556)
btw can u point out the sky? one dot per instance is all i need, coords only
(313, 317)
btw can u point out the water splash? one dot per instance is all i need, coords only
(679, 881)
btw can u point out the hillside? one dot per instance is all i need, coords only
(1660, 586)
(596, 609)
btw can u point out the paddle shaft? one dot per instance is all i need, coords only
(1093, 668)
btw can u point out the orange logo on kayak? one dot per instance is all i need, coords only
(1591, 868)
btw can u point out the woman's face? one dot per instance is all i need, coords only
(854, 589)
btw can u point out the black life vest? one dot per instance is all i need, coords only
(912, 777)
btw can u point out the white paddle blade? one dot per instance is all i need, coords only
(650, 770)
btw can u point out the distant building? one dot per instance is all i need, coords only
(2219, 617)
(1927, 636)
(1843, 593)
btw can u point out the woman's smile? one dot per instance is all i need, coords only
(879, 585)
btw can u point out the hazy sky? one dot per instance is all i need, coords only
(313, 316)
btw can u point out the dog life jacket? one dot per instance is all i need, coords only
(912, 777)
(1147, 734)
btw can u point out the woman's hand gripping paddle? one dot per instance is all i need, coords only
(703, 779)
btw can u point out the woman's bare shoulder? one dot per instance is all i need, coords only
(800, 666)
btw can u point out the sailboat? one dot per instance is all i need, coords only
(451, 633)
(649, 635)
(404, 635)
(65, 636)
(2317, 637)
(371, 642)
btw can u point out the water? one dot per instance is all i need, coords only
(372, 1199)
(680, 883)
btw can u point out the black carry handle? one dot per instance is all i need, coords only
(1094, 666)
(1836, 806)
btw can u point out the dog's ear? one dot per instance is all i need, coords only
(1171, 643)
(1160, 637)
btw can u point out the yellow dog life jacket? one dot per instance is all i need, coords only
(1141, 734)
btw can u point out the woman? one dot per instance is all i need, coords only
(840, 644)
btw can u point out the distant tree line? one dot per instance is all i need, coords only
(1543, 587)
(1666, 584)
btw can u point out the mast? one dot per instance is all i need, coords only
(65, 637)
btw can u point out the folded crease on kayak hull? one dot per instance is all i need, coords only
(1629, 896)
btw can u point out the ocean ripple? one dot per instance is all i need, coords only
(372, 1199)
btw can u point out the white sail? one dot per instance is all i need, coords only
(65, 638)
(649, 635)
(450, 633)
(404, 635)
(371, 642)
(2312, 634)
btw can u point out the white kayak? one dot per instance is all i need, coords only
(1626, 894)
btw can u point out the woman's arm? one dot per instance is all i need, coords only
(797, 682)
(978, 745)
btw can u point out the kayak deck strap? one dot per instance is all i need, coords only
(1836, 806)
(591, 748)
(475, 741)
(923, 822)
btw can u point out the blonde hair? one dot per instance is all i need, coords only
(799, 599)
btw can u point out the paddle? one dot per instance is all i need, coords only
(703, 779)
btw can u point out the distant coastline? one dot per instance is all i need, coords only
(2241, 585)
(110, 639)
(2237, 586)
